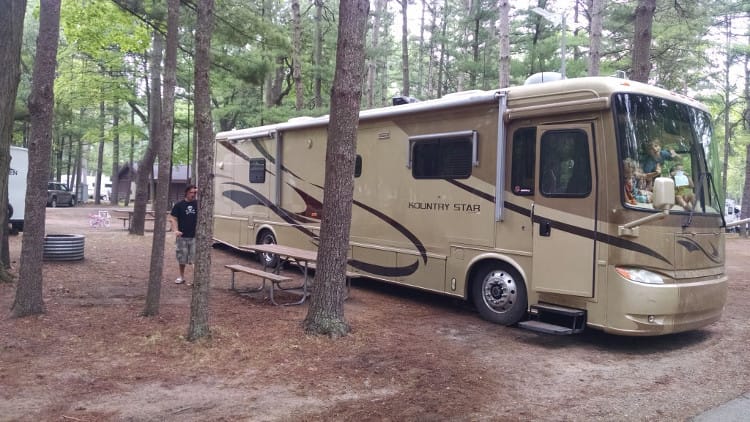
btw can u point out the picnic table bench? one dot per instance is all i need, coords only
(275, 279)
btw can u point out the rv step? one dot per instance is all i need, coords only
(556, 309)
(570, 320)
(544, 327)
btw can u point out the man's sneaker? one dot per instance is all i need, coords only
(179, 280)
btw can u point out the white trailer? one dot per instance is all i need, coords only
(19, 168)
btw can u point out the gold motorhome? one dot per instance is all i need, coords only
(552, 205)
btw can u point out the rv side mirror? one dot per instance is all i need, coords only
(663, 193)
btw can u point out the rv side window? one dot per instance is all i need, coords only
(257, 170)
(565, 169)
(442, 158)
(522, 164)
(358, 166)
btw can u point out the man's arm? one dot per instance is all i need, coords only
(175, 227)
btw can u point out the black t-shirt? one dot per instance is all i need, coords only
(187, 215)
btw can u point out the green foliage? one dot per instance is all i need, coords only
(103, 49)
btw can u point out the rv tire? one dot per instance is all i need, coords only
(499, 293)
(268, 260)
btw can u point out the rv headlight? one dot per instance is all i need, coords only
(640, 275)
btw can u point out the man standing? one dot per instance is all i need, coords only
(184, 216)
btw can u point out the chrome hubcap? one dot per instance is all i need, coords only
(499, 291)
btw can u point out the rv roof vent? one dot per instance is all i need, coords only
(403, 99)
(542, 77)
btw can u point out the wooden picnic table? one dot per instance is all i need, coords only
(126, 216)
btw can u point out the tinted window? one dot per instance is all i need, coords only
(442, 158)
(565, 168)
(257, 170)
(522, 167)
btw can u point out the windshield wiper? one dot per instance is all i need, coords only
(698, 200)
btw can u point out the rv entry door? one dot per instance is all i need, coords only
(564, 217)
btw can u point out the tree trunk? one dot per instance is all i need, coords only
(164, 152)
(28, 300)
(595, 41)
(114, 196)
(317, 55)
(745, 211)
(404, 47)
(11, 32)
(299, 89)
(326, 312)
(476, 12)
(100, 155)
(372, 63)
(431, 59)
(727, 106)
(204, 144)
(644, 18)
(443, 47)
(504, 68)
(145, 166)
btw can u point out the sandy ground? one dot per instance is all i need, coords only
(411, 356)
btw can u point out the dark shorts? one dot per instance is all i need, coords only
(185, 249)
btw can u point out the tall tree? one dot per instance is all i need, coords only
(145, 166)
(595, 38)
(204, 141)
(299, 89)
(372, 62)
(11, 31)
(318, 55)
(745, 211)
(28, 300)
(642, 35)
(504, 33)
(164, 153)
(326, 312)
(404, 46)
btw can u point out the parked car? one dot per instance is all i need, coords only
(59, 194)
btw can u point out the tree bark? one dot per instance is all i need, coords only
(644, 18)
(326, 312)
(28, 300)
(164, 153)
(204, 141)
(11, 33)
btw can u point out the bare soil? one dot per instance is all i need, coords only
(411, 356)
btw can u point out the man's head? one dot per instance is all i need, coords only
(191, 192)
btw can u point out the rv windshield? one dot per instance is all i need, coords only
(661, 138)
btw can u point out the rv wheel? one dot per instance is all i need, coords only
(268, 259)
(499, 294)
